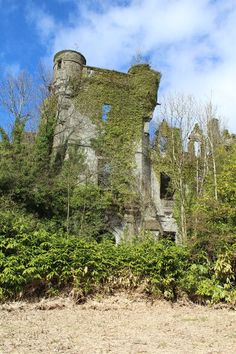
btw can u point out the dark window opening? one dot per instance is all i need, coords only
(105, 110)
(165, 187)
(104, 172)
(59, 64)
(169, 235)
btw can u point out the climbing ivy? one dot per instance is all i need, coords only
(132, 99)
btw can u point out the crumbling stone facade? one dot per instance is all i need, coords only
(106, 114)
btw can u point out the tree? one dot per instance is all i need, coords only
(214, 221)
(16, 102)
(178, 115)
(187, 144)
(213, 140)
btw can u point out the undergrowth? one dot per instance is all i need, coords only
(35, 261)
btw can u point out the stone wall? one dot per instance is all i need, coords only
(106, 114)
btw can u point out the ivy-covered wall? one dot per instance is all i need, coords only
(106, 114)
(130, 100)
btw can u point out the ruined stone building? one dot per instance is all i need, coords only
(106, 114)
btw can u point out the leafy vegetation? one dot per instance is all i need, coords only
(199, 158)
(122, 131)
(36, 261)
(54, 231)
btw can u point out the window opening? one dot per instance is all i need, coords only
(59, 64)
(165, 190)
(169, 235)
(89, 72)
(197, 148)
(105, 110)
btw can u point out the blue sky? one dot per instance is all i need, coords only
(191, 42)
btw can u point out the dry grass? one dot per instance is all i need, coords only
(118, 324)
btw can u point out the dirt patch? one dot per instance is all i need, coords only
(118, 324)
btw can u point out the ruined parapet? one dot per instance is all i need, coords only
(67, 69)
(196, 144)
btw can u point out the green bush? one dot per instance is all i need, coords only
(35, 261)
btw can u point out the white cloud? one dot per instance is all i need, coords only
(44, 22)
(191, 42)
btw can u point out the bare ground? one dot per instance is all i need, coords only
(117, 324)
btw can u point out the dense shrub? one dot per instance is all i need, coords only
(36, 261)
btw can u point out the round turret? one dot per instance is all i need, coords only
(68, 65)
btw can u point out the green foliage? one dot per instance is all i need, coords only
(160, 265)
(89, 205)
(214, 221)
(4, 141)
(131, 98)
(17, 135)
(36, 261)
(15, 161)
(54, 231)
(45, 135)
(33, 261)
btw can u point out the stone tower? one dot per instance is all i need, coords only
(68, 66)
(113, 109)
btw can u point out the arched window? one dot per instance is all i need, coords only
(59, 64)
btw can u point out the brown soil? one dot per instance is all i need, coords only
(118, 324)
